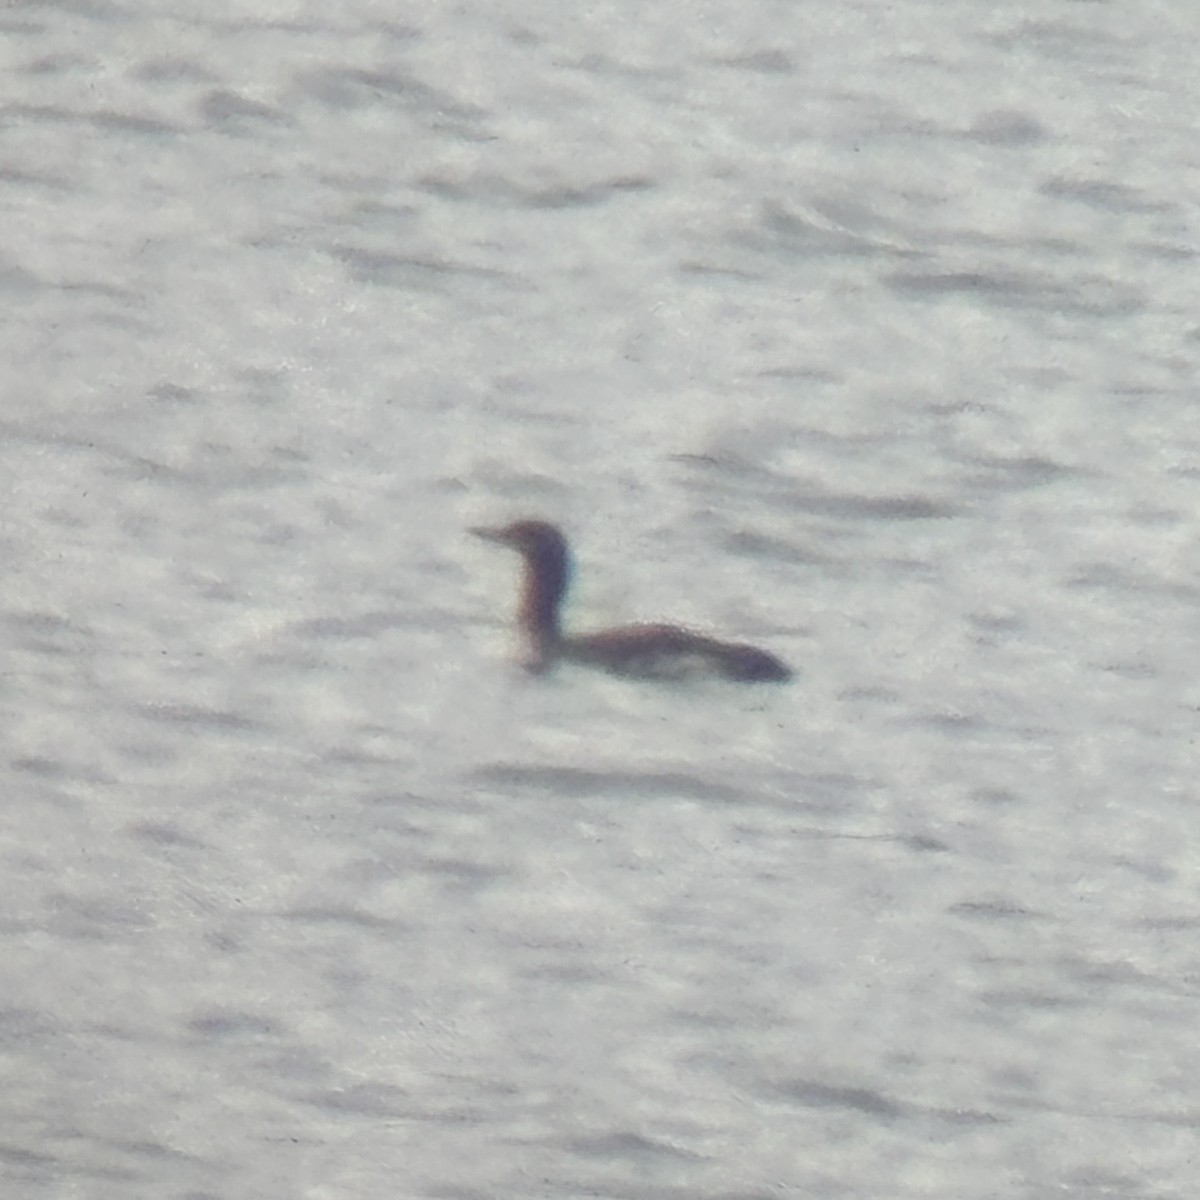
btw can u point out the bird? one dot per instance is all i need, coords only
(664, 652)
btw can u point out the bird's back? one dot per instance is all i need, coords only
(671, 652)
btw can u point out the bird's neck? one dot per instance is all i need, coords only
(542, 593)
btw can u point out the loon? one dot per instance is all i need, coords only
(639, 651)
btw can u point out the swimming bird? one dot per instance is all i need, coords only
(642, 651)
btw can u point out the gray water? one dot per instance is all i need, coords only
(864, 332)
